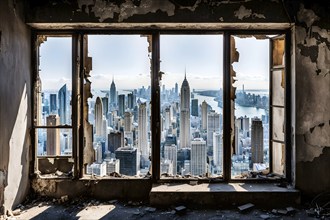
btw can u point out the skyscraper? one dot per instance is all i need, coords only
(128, 122)
(185, 114)
(128, 158)
(204, 115)
(217, 150)
(113, 95)
(98, 111)
(53, 136)
(194, 107)
(170, 154)
(115, 141)
(143, 147)
(121, 105)
(198, 157)
(213, 125)
(257, 141)
(105, 104)
(53, 104)
(167, 118)
(63, 105)
(176, 90)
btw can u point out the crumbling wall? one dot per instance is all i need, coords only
(15, 99)
(313, 99)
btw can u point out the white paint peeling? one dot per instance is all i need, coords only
(323, 61)
(255, 15)
(192, 8)
(307, 16)
(242, 12)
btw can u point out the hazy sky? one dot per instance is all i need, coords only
(126, 58)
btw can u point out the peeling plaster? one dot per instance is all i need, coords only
(104, 10)
(243, 12)
(192, 8)
(306, 16)
(43, 187)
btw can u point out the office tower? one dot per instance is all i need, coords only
(121, 105)
(194, 107)
(176, 90)
(185, 114)
(166, 166)
(53, 104)
(53, 136)
(104, 130)
(130, 101)
(257, 141)
(98, 169)
(143, 147)
(217, 150)
(204, 115)
(128, 158)
(113, 165)
(98, 152)
(63, 105)
(183, 155)
(98, 112)
(113, 95)
(167, 118)
(105, 104)
(245, 125)
(170, 154)
(213, 125)
(198, 157)
(128, 122)
(115, 141)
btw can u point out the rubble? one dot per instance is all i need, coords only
(180, 210)
(246, 207)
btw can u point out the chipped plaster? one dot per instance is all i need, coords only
(243, 12)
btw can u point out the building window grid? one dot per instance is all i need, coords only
(78, 52)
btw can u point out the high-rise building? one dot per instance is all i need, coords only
(63, 105)
(185, 114)
(121, 105)
(53, 104)
(105, 104)
(176, 90)
(194, 107)
(167, 118)
(113, 95)
(170, 154)
(130, 100)
(98, 111)
(213, 125)
(217, 150)
(115, 141)
(128, 158)
(257, 141)
(143, 147)
(198, 157)
(128, 122)
(204, 115)
(53, 136)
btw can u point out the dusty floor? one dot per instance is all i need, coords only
(49, 209)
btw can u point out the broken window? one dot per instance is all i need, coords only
(191, 105)
(119, 106)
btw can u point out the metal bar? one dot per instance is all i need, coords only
(288, 135)
(270, 113)
(155, 108)
(226, 108)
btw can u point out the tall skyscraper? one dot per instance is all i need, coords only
(257, 141)
(128, 158)
(185, 114)
(213, 125)
(198, 157)
(98, 111)
(105, 104)
(53, 103)
(204, 115)
(113, 95)
(194, 107)
(130, 101)
(217, 150)
(167, 116)
(128, 122)
(121, 105)
(63, 105)
(170, 154)
(53, 136)
(143, 147)
(176, 90)
(115, 141)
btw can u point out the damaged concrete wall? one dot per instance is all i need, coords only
(313, 102)
(15, 99)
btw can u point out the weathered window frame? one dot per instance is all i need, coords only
(79, 64)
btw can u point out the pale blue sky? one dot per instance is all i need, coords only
(126, 58)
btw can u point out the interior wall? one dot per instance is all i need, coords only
(15, 99)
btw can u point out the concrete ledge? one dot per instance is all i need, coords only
(223, 195)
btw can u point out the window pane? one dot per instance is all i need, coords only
(278, 52)
(251, 152)
(119, 110)
(278, 124)
(54, 141)
(278, 87)
(191, 105)
(278, 158)
(55, 80)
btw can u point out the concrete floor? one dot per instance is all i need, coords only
(92, 209)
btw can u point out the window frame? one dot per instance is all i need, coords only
(78, 76)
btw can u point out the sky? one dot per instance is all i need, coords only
(126, 58)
